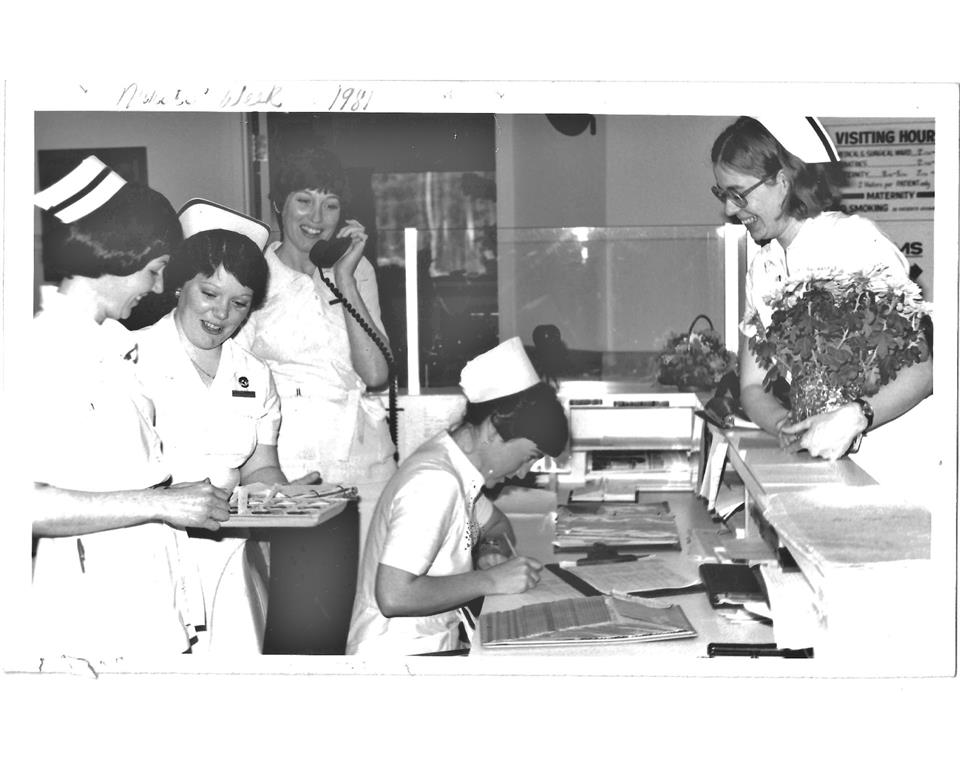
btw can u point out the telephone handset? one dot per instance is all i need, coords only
(324, 255)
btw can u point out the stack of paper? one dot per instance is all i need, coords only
(585, 620)
(832, 529)
(863, 551)
(604, 489)
(620, 525)
(646, 574)
(648, 470)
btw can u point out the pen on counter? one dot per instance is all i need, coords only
(603, 561)
(82, 555)
(756, 650)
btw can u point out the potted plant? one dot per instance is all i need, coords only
(836, 336)
(695, 360)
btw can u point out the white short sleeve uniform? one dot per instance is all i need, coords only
(829, 241)
(330, 423)
(92, 431)
(900, 450)
(210, 432)
(207, 432)
(426, 523)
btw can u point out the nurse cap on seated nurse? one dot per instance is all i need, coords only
(432, 521)
(107, 580)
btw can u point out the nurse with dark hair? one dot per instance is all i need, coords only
(108, 573)
(323, 346)
(432, 520)
(321, 333)
(217, 408)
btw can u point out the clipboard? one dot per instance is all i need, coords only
(585, 620)
(588, 590)
(732, 584)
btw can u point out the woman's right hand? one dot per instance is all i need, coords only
(518, 574)
(194, 505)
(347, 264)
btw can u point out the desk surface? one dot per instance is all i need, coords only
(530, 513)
(766, 469)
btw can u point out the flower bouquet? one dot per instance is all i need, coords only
(838, 336)
(695, 360)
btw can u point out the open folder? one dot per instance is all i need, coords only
(602, 619)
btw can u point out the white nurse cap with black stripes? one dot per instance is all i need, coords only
(803, 137)
(82, 191)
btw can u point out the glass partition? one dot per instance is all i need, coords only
(605, 299)
(613, 293)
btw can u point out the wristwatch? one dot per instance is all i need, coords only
(867, 411)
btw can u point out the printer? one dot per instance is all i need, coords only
(631, 433)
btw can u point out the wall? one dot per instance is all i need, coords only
(637, 171)
(197, 154)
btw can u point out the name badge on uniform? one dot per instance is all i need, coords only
(244, 382)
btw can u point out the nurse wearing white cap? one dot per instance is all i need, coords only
(431, 521)
(217, 408)
(777, 176)
(107, 579)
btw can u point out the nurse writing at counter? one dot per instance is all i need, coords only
(432, 520)
(108, 574)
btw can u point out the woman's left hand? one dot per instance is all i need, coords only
(827, 435)
(493, 551)
(490, 559)
(347, 264)
(311, 478)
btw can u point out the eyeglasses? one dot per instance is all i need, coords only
(736, 197)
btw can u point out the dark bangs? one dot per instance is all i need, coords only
(204, 252)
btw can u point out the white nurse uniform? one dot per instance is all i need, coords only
(210, 432)
(116, 593)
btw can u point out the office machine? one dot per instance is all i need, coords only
(630, 433)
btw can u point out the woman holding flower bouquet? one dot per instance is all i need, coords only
(777, 177)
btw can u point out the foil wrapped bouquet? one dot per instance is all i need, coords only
(836, 336)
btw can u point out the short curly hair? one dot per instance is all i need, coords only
(307, 168)
(748, 147)
(122, 236)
